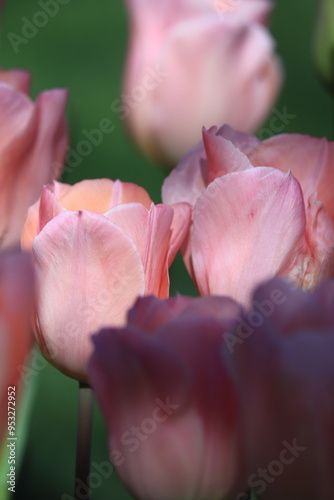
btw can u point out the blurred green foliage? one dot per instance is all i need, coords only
(83, 48)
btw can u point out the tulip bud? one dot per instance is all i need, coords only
(191, 65)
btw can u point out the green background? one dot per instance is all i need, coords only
(83, 49)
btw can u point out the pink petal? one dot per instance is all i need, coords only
(89, 274)
(188, 180)
(39, 214)
(310, 160)
(17, 78)
(33, 140)
(16, 305)
(289, 407)
(248, 226)
(291, 309)
(244, 142)
(222, 156)
(151, 233)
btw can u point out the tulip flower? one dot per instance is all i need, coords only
(287, 401)
(33, 143)
(251, 224)
(16, 303)
(191, 64)
(167, 399)
(96, 246)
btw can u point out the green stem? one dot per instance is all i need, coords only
(85, 419)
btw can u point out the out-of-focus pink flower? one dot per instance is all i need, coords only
(250, 224)
(170, 408)
(284, 374)
(96, 245)
(191, 64)
(33, 143)
(16, 304)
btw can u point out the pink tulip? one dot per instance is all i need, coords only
(250, 224)
(97, 245)
(33, 142)
(16, 302)
(167, 400)
(192, 64)
(284, 373)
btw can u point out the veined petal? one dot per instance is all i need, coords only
(248, 226)
(310, 160)
(89, 274)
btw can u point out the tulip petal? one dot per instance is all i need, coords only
(310, 160)
(233, 245)
(149, 313)
(16, 304)
(89, 273)
(100, 195)
(188, 180)
(290, 407)
(244, 142)
(17, 78)
(32, 146)
(151, 233)
(222, 156)
(39, 214)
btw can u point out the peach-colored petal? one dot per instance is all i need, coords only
(89, 274)
(100, 195)
(134, 193)
(94, 195)
(248, 226)
(310, 160)
(17, 78)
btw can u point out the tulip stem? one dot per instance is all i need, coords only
(85, 419)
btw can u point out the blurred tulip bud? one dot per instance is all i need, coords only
(16, 307)
(167, 399)
(284, 374)
(191, 64)
(323, 49)
(33, 144)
